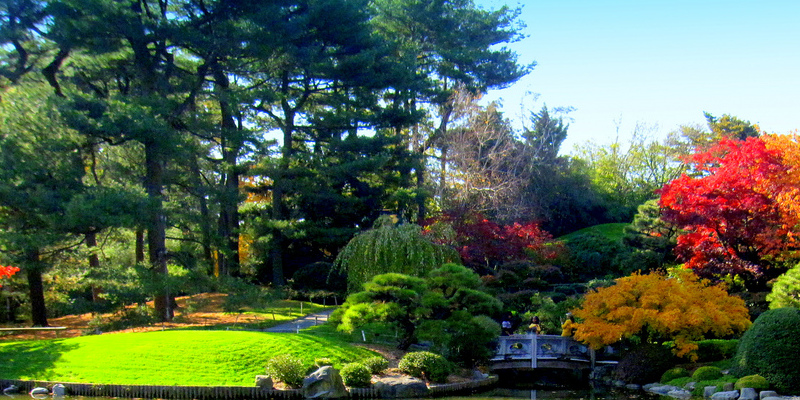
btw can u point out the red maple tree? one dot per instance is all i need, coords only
(728, 210)
(484, 244)
(7, 271)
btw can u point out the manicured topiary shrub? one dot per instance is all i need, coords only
(287, 369)
(756, 382)
(770, 348)
(376, 365)
(356, 375)
(707, 373)
(674, 373)
(425, 365)
(644, 364)
(716, 349)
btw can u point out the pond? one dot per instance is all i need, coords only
(499, 393)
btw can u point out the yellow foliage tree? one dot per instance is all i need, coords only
(658, 308)
(788, 195)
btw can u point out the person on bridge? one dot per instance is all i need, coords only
(569, 326)
(535, 327)
(506, 325)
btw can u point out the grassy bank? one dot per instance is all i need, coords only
(176, 357)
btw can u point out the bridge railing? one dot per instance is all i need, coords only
(541, 347)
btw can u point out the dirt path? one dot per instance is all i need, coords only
(210, 313)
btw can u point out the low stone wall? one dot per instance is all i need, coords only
(224, 392)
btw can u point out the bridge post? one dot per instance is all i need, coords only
(534, 350)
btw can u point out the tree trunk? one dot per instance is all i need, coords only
(229, 207)
(139, 245)
(279, 212)
(36, 289)
(205, 215)
(156, 232)
(94, 262)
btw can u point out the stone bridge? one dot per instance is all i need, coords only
(529, 352)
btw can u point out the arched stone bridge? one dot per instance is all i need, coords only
(528, 352)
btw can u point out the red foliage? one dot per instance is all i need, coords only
(728, 209)
(7, 271)
(483, 243)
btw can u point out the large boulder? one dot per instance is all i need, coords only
(12, 389)
(264, 382)
(748, 394)
(59, 390)
(401, 387)
(324, 383)
(727, 395)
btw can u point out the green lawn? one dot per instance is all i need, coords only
(612, 231)
(178, 357)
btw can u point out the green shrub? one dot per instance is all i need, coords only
(757, 382)
(679, 382)
(644, 364)
(707, 373)
(770, 348)
(356, 375)
(376, 365)
(425, 365)
(288, 369)
(322, 362)
(786, 290)
(673, 373)
(719, 383)
(463, 338)
(716, 349)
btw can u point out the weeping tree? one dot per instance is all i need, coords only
(389, 247)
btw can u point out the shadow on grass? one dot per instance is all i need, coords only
(24, 360)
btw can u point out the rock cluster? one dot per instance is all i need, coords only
(712, 393)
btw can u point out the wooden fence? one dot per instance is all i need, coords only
(223, 392)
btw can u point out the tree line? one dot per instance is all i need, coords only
(250, 139)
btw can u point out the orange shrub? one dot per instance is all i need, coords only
(657, 309)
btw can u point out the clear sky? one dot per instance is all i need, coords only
(657, 62)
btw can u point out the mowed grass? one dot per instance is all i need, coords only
(178, 357)
(611, 231)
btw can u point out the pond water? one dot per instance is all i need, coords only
(562, 394)
(500, 393)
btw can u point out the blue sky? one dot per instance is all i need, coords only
(655, 62)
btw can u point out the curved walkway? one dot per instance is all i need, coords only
(302, 323)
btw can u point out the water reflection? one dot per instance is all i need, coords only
(538, 394)
(493, 394)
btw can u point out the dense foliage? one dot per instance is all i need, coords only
(288, 369)
(447, 308)
(391, 248)
(674, 373)
(756, 382)
(7, 271)
(707, 373)
(786, 290)
(656, 308)
(356, 375)
(731, 210)
(644, 363)
(770, 347)
(425, 365)
(484, 244)
(376, 365)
